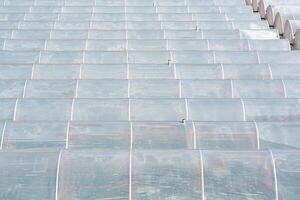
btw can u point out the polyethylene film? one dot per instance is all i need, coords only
(139, 99)
(178, 174)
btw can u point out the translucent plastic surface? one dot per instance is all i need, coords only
(107, 176)
(28, 175)
(139, 99)
(228, 175)
(177, 175)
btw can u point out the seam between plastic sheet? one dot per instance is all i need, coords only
(2, 136)
(15, 109)
(270, 70)
(131, 135)
(129, 109)
(231, 86)
(67, 135)
(130, 163)
(284, 88)
(76, 88)
(129, 104)
(175, 71)
(80, 71)
(214, 57)
(45, 45)
(257, 135)
(208, 45)
(187, 109)
(32, 71)
(222, 71)
(249, 46)
(128, 89)
(244, 110)
(258, 57)
(194, 136)
(24, 88)
(275, 175)
(130, 166)
(40, 55)
(202, 175)
(57, 175)
(72, 109)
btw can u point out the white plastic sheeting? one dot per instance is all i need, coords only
(263, 5)
(285, 12)
(139, 99)
(249, 2)
(291, 27)
(255, 5)
(297, 39)
(283, 16)
(157, 174)
(218, 135)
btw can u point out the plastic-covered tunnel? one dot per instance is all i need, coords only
(146, 100)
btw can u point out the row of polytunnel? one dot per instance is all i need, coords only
(158, 88)
(176, 174)
(19, 73)
(153, 109)
(282, 15)
(237, 136)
